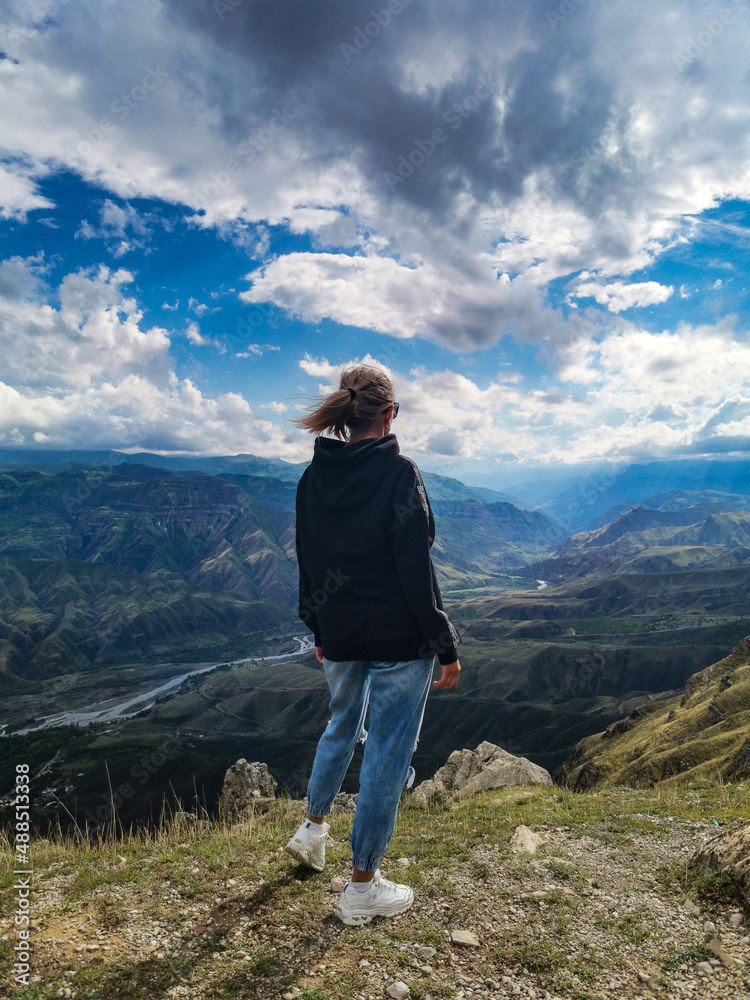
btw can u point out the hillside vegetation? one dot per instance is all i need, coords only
(68, 616)
(609, 907)
(139, 562)
(653, 541)
(704, 733)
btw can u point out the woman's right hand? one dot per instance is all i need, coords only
(448, 675)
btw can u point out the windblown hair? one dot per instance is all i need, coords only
(363, 394)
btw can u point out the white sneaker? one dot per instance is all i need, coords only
(308, 845)
(383, 899)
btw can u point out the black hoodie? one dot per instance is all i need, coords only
(367, 586)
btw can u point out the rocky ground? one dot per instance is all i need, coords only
(609, 905)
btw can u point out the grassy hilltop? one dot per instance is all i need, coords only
(609, 906)
(702, 733)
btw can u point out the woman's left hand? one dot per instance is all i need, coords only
(319, 653)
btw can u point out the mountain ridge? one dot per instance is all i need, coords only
(703, 733)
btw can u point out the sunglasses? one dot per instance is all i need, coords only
(394, 404)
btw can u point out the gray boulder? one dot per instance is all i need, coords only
(246, 787)
(345, 802)
(728, 854)
(467, 772)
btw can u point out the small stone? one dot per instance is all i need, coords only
(337, 883)
(524, 839)
(426, 953)
(398, 990)
(714, 946)
(404, 862)
(689, 907)
(364, 964)
(466, 938)
(704, 969)
(709, 927)
(735, 919)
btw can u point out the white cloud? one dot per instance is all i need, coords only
(194, 335)
(619, 295)
(631, 395)
(95, 334)
(424, 299)
(199, 308)
(256, 350)
(123, 228)
(22, 277)
(134, 415)
(176, 103)
(87, 375)
(593, 156)
(18, 193)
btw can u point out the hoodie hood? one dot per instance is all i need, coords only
(345, 475)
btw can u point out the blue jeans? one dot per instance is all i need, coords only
(397, 693)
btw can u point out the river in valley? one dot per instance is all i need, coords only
(111, 710)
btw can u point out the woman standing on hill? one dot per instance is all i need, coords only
(369, 595)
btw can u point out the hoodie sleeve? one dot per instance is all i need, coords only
(307, 609)
(413, 535)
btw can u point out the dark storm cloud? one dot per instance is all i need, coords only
(493, 117)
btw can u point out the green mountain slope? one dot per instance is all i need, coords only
(197, 535)
(644, 540)
(202, 530)
(704, 733)
(62, 616)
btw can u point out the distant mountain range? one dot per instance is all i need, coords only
(583, 502)
(190, 557)
(653, 541)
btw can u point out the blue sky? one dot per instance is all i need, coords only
(535, 216)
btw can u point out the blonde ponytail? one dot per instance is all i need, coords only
(363, 395)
